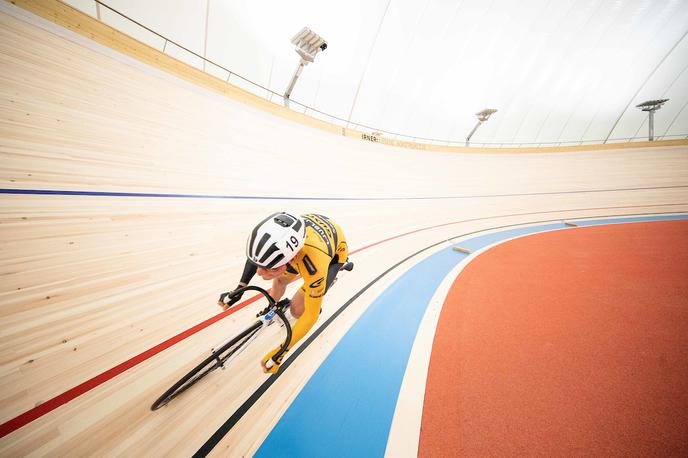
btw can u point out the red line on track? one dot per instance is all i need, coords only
(53, 403)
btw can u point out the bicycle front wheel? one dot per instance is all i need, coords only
(212, 362)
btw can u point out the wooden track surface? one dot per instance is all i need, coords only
(91, 281)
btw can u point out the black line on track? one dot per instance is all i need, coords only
(241, 411)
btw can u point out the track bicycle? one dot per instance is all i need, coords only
(226, 352)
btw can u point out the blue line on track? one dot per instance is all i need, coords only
(57, 192)
(346, 408)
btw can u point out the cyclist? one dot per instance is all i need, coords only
(283, 246)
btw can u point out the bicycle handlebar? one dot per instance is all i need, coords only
(243, 289)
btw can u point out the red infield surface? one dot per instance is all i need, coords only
(565, 343)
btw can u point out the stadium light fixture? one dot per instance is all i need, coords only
(651, 106)
(483, 116)
(308, 44)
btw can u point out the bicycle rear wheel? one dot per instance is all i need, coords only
(212, 362)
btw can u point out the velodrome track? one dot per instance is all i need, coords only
(126, 199)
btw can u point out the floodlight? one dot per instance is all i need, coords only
(651, 106)
(483, 116)
(307, 44)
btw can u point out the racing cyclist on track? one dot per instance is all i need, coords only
(283, 246)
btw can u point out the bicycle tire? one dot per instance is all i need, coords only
(212, 362)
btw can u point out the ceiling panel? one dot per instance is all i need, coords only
(556, 70)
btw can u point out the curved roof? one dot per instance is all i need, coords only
(556, 71)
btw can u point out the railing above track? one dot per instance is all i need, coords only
(186, 55)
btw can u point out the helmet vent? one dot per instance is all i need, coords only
(273, 248)
(262, 242)
(284, 220)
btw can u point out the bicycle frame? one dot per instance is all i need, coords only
(234, 346)
(264, 317)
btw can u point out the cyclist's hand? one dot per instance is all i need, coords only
(229, 298)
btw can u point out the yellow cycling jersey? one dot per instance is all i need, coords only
(324, 245)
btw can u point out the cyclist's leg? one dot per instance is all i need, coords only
(297, 301)
(340, 259)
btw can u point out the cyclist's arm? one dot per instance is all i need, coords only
(228, 299)
(279, 285)
(250, 270)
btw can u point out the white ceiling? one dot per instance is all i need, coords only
(557, 70)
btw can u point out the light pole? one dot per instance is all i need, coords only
(308, 44)
(651, 106)
(482, 117)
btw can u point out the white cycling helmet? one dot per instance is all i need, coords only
(276, 240)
